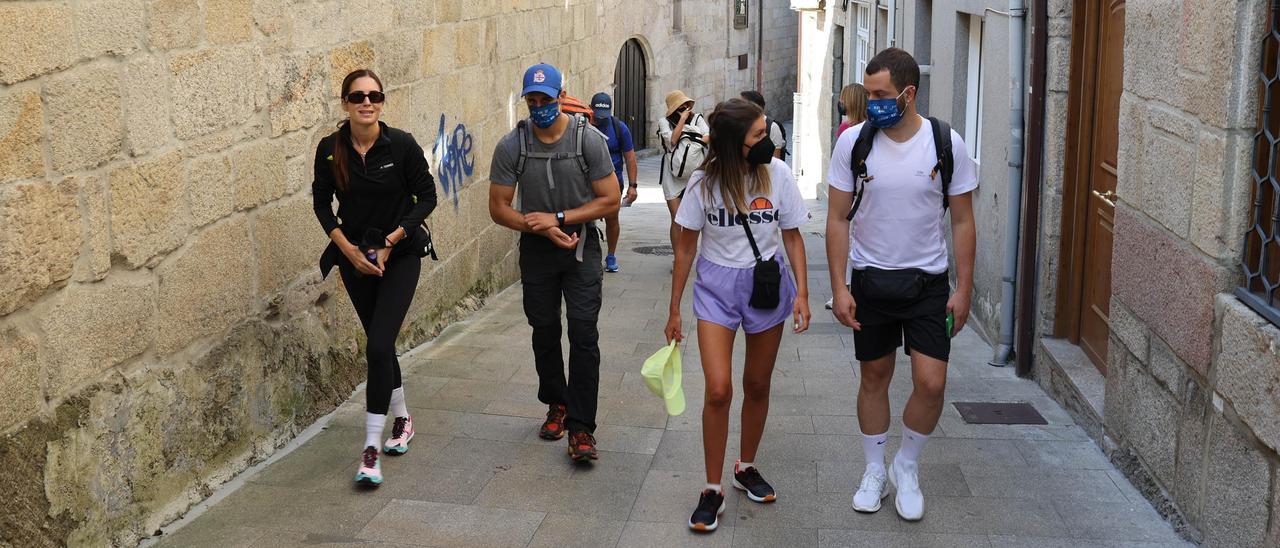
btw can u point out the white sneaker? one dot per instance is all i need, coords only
(909, 500)
(871, 491)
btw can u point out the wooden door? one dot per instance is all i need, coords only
(630, 99)
(1089, 193)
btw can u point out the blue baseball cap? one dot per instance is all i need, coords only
(601, 104)
(542, 78)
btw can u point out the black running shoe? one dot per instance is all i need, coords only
(707, 517)
(756, 487)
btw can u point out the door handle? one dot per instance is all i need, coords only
(1108, 197)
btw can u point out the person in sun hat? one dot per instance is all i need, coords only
(679, 120)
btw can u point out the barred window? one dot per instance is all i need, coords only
(1261, 261)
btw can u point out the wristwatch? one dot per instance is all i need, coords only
(560, 218)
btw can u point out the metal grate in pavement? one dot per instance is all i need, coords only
(654, 250)
(998, 413)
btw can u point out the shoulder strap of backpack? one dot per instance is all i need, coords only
(858, 165)
(579, 133)
(523, 130)
(946, 161)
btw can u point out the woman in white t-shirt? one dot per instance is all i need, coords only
(740, 185)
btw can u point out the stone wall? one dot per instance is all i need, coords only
(162, 321)
(1190, 411)
(780, 33)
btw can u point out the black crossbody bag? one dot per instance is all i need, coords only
(766, 277)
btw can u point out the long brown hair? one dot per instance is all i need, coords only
(854, 98)
(339, 151)
(725, 167)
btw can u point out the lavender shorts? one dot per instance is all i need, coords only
(721, 293)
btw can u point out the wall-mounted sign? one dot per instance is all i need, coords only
(740, 9)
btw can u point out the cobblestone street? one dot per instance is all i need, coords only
(478, 475)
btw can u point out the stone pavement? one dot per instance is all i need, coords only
(477, 474)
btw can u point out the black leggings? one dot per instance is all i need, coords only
(381, 303)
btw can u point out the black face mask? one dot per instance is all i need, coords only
(762, 152)
(675, 117)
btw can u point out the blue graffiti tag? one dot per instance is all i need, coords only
(455, 159)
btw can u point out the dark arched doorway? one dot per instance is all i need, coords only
(630, 98)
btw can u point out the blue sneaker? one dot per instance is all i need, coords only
(610, 263)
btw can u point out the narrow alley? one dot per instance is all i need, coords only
(478, 475)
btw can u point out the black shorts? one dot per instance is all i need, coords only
(921, 322)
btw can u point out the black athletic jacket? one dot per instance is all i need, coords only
(391, 188)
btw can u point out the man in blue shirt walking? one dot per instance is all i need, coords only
(621, 149)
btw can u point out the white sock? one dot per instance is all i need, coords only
(873, 448)
(398, 407)
(912, 443)
(714, 487)
(743, 466)
(373, 424)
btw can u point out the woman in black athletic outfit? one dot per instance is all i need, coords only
(385, 191)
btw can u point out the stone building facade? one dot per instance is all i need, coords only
(1185, 397)
(163, 324)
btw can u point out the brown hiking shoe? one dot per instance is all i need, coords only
(582, 447)
(553, 429)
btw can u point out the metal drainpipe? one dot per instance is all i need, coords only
(1034, 175)
(1017, 56)
(893, 22)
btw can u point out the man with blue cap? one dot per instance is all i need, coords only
(559, 165)
(621, 149)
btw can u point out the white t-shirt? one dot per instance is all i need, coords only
(899, 224)
(724, 242)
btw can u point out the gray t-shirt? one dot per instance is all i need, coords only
(572, 188)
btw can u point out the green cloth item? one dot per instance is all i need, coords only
(661, 373)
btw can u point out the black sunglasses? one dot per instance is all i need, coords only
(357, 97)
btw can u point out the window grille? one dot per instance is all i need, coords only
(1261, 261)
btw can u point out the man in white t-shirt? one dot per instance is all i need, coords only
(899, 288)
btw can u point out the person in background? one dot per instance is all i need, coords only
(777, 133)
(853, 109)
(385, 191)
(680, 119)
(623, 152)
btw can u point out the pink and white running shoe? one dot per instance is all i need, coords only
(401, 433)
(370, 472)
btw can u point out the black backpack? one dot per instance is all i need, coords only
(768, 123)
(862, 149)
(617, 134)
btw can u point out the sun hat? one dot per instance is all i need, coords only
(661, 373)
(675, 99)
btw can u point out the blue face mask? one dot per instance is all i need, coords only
(544, 115)
(884, 113)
